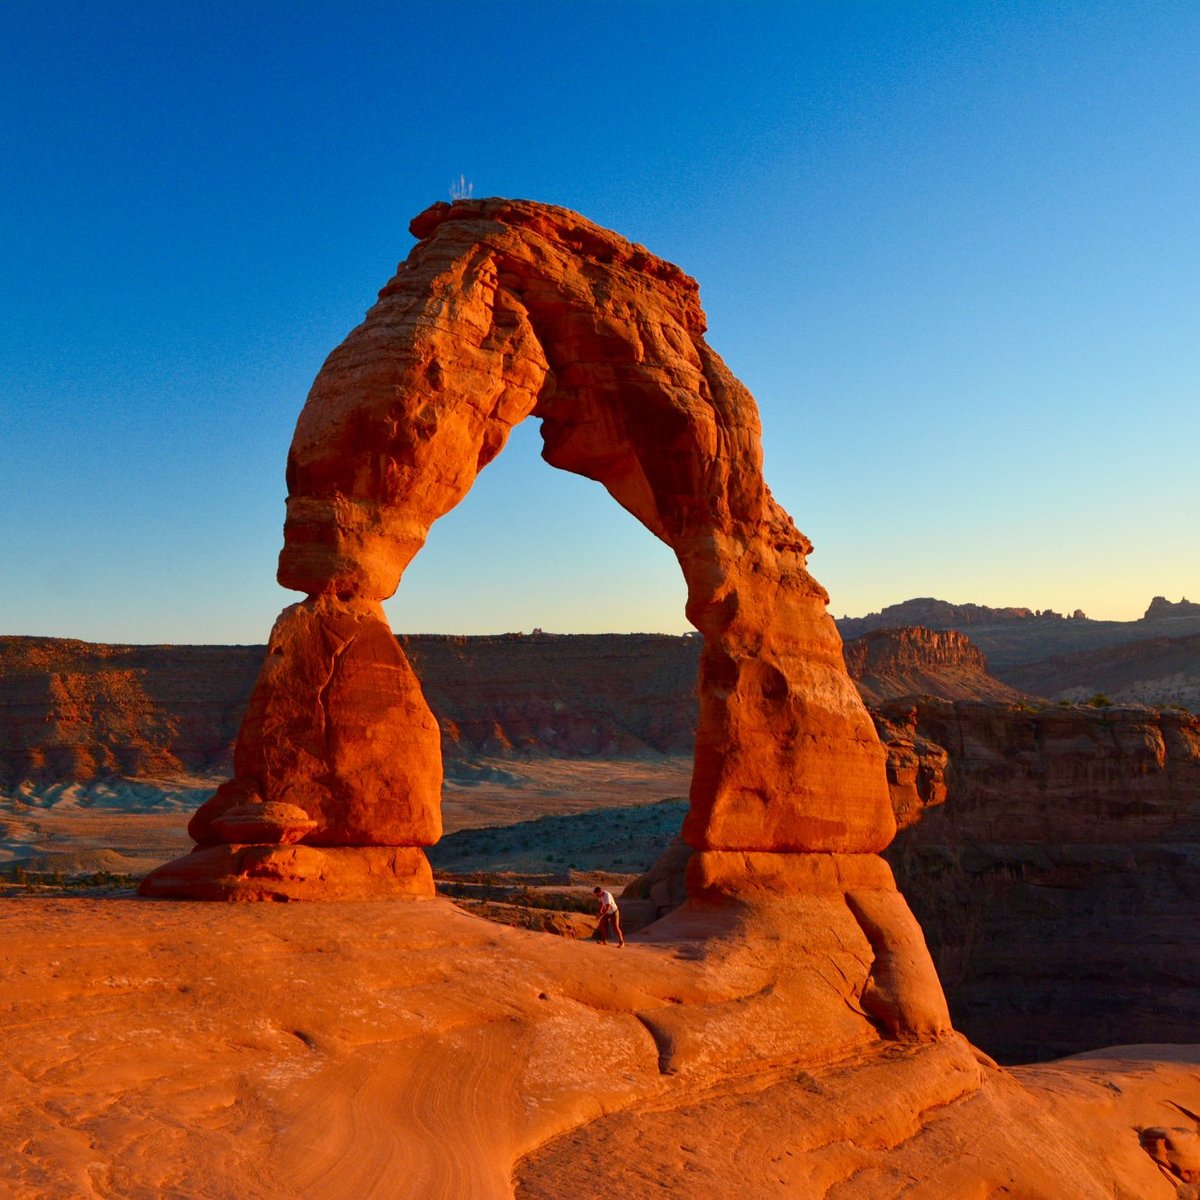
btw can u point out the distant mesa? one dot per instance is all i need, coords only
(933, 614)
(1012, 637)
(888, 663)
(1162, 609)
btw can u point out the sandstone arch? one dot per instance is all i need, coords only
(504, 310)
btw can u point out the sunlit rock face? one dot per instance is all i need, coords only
(505, 310)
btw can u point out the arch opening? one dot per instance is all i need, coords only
(532, 547)
(554, 693)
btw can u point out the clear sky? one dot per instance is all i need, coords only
(952, 248)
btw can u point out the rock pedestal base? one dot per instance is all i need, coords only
(749, 874)
(902, 992)
(260, 872)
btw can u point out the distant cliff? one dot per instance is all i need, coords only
(573, 695)
(72, 710)
(904, 662)
(1058, 885)
(1014, 636)
(81, 711)
(935, 614)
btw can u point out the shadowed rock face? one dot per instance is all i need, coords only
(504, 310)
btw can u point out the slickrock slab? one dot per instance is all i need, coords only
(273, 824)
(368, 1051)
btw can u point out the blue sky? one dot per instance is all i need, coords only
(951, 248)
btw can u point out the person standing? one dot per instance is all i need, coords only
(610, 918)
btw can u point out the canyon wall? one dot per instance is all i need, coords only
(1058, 885)
(79, 711)
(916, 661)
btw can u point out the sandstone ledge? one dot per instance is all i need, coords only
(375, 1050)
(749, 873)
(260, 872)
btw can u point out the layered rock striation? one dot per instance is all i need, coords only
(609, 696)
(888, 663)
(1057, 883)
(80, 711)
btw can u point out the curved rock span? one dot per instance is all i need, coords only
(506, 310)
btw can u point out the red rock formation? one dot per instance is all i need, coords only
(338, 727)
(508, 309)
(916, 765)
(889, 663)
(1057, 883)
(77, 711)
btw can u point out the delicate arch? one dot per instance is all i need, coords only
(507, 309)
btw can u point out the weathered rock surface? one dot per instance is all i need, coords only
(364, 1051)
(916, 765)
(272, 824)
(77, 711)
(1057, 883)
(505, 310)
(274, 871)
(888, 663)
(1063, 774)
(337, 727)
(510, 309)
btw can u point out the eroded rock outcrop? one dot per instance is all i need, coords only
(888, 663)
(1057, 882)
(73, 711)
(505, 310)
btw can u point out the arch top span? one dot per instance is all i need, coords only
(507, 309)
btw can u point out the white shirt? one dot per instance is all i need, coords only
(607, 903)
